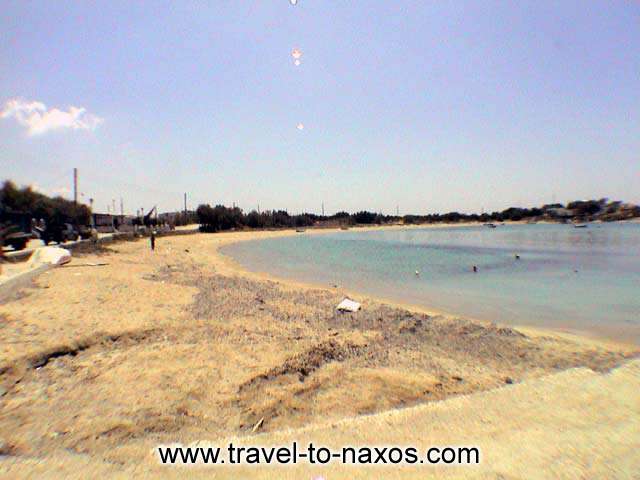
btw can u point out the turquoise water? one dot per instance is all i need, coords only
(572, 279)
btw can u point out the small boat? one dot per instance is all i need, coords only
(490, 225)
(300, 230)
(579, 225)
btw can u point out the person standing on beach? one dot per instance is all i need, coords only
(153, 240)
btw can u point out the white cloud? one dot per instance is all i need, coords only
(38, 119)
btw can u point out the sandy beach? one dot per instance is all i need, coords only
(99, 364)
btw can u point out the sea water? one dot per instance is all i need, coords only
(566, 278)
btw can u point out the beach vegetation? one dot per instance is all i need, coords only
(53, 210)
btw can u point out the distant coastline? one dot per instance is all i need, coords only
(21, 206)
(213, 219)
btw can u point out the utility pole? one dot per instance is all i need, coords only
(185, 205)
(323, 209)
(121, 207)
(75, 185)
(109, 214)
(258, 208)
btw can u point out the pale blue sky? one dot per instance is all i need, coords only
(435, 106)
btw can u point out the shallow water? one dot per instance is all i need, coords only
(584, 280)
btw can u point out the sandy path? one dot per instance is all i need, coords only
(534, 430)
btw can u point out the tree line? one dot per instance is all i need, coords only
(56, 210)
(25, 202)
(218, 218)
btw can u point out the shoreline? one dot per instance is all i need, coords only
(229, 265)
(232, 266)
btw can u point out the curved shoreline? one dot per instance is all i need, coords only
(232, 266)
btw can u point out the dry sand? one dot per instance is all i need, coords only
(100, 364)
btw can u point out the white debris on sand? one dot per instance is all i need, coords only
(49, 256)
(348, 305)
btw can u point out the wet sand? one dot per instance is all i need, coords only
(180, 345)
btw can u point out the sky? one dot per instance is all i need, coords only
(417, 105)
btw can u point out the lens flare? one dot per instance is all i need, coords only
(300, 126)
(293, 2)
(296, 63)
(296, 53)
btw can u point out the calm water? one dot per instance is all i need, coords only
(571, 279)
